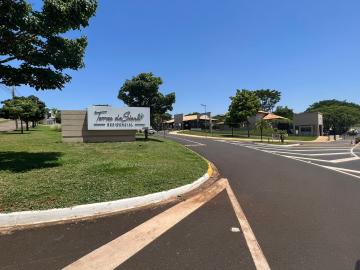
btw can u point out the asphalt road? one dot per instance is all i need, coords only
(304, 216)
(302, 204)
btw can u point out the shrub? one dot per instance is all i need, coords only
(56, 127)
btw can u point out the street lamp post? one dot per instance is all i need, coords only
(204, 105)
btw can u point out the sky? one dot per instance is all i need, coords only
(206, 49)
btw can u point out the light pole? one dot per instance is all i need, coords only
(204, 105)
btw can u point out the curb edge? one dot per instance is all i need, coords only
(40, 217)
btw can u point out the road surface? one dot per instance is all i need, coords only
(300, 204)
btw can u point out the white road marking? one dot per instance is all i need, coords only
(187, 140)
(324, 160)
(114, 253)
(117, 251)
(253, 245)
(311, 155)
(302, 150)
(327, 167)
(299, 156)
(352, 150)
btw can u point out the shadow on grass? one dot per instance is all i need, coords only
(148, 140)
(26, 161)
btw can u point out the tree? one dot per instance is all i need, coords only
(33, 49)
(338, 116)
(268, 98)
(231, 122)
(284, 112)
(41, 110)
(243, 105)
(159, 120)
(143, 91)
(22, 108)
(261, 125)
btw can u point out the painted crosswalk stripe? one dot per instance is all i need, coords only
(117, 251)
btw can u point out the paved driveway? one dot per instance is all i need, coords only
(295, 207)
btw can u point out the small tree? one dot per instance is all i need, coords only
(282, 134)
(20, 108)
(143, 91)
(268, 98)
(243, 105)
(261, 125)
(41, 110)
(231, 122)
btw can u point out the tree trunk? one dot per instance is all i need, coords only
(248, 130)
(27, 125)
(232, 131)
(261, 134)
(22, 127)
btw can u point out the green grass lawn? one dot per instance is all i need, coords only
(38, 171)
(254, 134)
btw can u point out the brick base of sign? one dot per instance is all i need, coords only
(74, 129)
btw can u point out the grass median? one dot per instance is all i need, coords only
(38, 171)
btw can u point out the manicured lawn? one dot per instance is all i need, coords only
(254, 134)
(38, 171)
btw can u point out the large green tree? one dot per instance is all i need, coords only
(338, 115)
(33, 48)
(143, 91)
(243, 105)
(268, 98)
(284, 112)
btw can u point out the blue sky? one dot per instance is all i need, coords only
(204, 50)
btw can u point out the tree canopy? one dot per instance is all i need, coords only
(33, 50)
(243, 105)
(268, 98)
(284, 112)
(338, 115)
(27, 109)
(143, 91)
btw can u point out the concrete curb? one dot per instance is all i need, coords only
(26, 218)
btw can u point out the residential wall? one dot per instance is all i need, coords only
(74, 129)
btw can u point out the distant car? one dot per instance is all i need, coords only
(353, 132)
(151, 131)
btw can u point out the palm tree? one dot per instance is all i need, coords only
(261, 125)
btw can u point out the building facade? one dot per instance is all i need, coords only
(308, 124)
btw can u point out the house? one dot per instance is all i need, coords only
(193, 121)
(308, 124)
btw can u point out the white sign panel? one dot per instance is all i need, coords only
(110, 118)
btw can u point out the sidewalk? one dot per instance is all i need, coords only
(7, 126)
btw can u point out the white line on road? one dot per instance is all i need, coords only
(324, 160)
(117, 251)
(311, 155)
(253, 245)
(186, 140)
(114, 253)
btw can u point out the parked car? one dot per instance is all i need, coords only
(151, 131)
